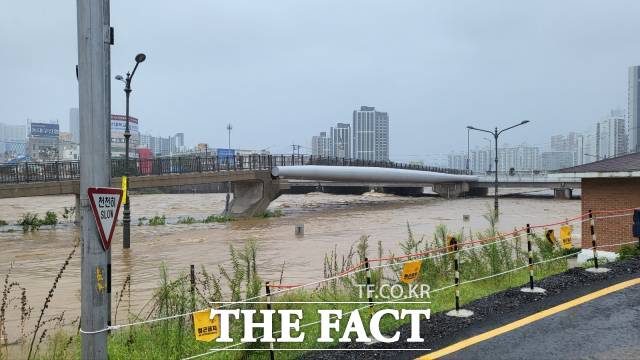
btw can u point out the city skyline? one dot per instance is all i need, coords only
(436, 65)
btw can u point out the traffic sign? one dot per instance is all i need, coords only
(105, 204)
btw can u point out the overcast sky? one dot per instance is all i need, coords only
(282, 71)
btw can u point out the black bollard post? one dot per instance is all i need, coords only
(192, 277)
(530, 253)
(592, 224)
(456, 267)
(368, 271)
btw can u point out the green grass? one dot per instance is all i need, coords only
(175, 339)
(217, 219)
(30, 222)
(187, 220)
(158, 220)
(51, 218)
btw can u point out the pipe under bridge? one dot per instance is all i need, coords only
(253, 197)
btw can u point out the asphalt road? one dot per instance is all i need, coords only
(604, 328)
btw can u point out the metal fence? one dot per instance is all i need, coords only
(70, 170)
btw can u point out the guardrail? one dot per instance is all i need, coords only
(70, 170)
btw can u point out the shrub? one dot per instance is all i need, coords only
(188, 220)
(629, 251)
(3, 223)
(30, 221)
(142, 220)
(158, 220)
(51, 218)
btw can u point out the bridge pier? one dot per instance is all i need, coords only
(252, 197)
(451, 190)
(562, 193)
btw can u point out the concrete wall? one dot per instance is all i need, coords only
(608, 194)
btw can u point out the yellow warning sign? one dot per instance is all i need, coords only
(124, 189)
(551, 236)
(206, 329)
(410, 271)
(565, 236)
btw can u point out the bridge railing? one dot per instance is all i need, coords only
(39, 171)
(70, 170)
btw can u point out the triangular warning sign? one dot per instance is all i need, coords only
(105, 204)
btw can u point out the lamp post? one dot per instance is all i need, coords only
(126, 218)
(226, 205)
(467, 165)
(495, 133)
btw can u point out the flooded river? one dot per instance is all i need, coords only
(329, 221)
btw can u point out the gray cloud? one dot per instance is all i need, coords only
(281, 71)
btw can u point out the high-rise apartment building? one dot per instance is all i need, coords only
(158, 145)
(13, 140)
(341, 140)
(633, 114)
(177, 143)
(612, 137)
(519, 158)
(370, 134)
(321, 145)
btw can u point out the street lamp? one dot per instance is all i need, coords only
(495, 134)
(126, 219)
(468, 130)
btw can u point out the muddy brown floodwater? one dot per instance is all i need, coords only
(329, 220)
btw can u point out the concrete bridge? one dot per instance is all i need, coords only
(257, 180)
(255, 184)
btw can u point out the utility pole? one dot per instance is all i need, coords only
(94, 40)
